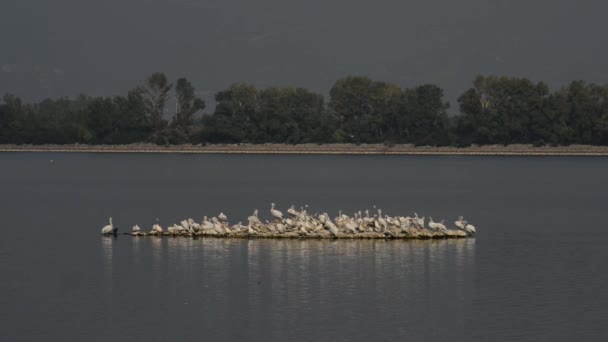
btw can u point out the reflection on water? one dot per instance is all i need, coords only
(285, 286)
(534, 280)
(107, 251)
(296, 257)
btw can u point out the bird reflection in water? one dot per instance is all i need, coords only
(106, 248)
(107, 245)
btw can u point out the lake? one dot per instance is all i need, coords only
(535, 272)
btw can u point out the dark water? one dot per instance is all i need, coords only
(536, 272)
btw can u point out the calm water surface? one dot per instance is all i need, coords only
(536, 272)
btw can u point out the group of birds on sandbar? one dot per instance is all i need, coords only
(299, 223)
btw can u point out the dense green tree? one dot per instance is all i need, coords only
(425, 114)
(495, 110)
(581, 110)
(155, 93)
(360, 104)
(350, 103)
(288, 115)
(186, 103)
(10, 110)
(234, 119)
(501, 109)
(274, 115)
(131, 121)
(308, 112)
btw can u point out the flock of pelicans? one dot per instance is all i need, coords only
(300, 224)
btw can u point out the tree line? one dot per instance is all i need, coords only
(495, 110)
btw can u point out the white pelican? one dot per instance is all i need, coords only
(470, 229)
(277, 214)
(270, 227)
(381, 220)
(109, 229)
(292, 211)
(217, 227)
(222, 217)
(436, 225)
(239, 227)
(351, 225)
(253, 219)
(460, 223)
(302, 229)
(331, 226)
(323, 218)
(195, 226)
(207, 225)
(135, 229)
(157, 229)
(419, 221)
(185, 224)
(280, 228)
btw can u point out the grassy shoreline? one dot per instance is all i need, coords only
(340, 149)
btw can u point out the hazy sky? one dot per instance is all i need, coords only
(104, 47)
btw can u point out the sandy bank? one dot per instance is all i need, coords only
(515, 150)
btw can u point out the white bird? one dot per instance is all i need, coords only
(217, 226)
(173, 229)
(253, 219)
(303, 229)
(351, 225)
(157, 229)
(460, 223)
(331, 226)
(239, 227)
(195, 226)
(436, 225)
(135, 229)
(270, 227)
(419, 221)
(226, 228)
(250, 230)
(292, 211)
(381, 220)
(470, 229)
(277, 214)
(222, 217)
(185, 224)
(207, 225)
(109, 229)
(323, 218)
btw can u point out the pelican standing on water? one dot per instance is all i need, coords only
(109, 229)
